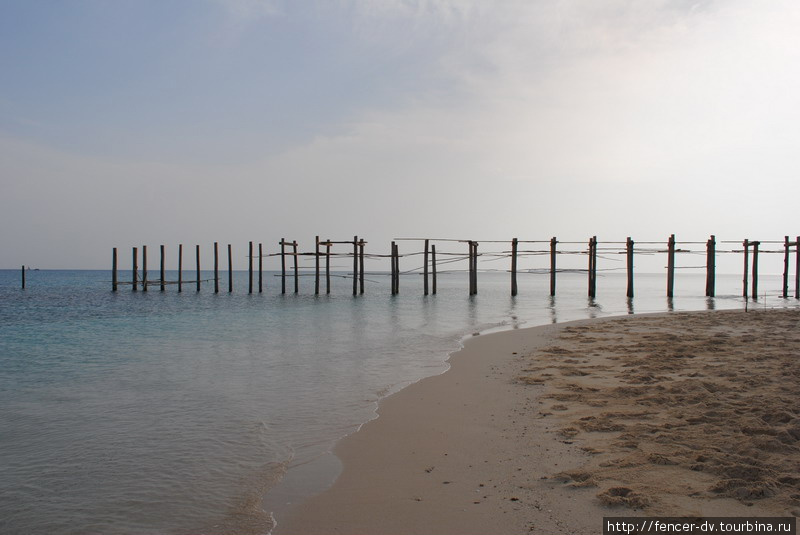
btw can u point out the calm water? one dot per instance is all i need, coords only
(134, 413)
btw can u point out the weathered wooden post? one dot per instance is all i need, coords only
(425, 269)
(475, 264)
(514, 267)
(250, 268)
(395, 269)
(113, 272)
(197, 259)
(283, 265)
(180, 267)
(260, 268)
(328, 266)
(216, 268)
(797, 268)
(746, 246)
(785, 267)
(361, 243)
(144, 268)
(473, 274)
(433, 266)
(553, 243)
(671, 265)
(755, 269)
(711, 266)
(316, 276)
(471, 268)
(135, 266)
(591, 267)
(355, 265)
(163, 282)
(296, 274)
(629, 257)
(23, 277)
(230, 269)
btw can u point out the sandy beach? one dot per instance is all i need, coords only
(547, 430)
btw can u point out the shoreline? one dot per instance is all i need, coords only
(480, 449)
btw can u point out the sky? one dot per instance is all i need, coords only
(125, 122)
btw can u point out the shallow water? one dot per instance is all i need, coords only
(133, 413)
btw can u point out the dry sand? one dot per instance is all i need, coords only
(547, 430)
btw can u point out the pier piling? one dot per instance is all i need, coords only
(250, 268)
(163, 285)
(197, 262)
(629, 258)
(711, 266)
(135, 269)
(180, 267)
(144, 268)
(113, 272)
(230, 269)
(514, 267)
(425, 269)
(216, 268)
(433, 268)
(671, 266)
(553, 243)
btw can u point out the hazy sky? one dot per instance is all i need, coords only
(188, 121)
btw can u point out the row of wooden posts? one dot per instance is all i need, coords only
(750, 249)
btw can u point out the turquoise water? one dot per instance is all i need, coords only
(134, 413)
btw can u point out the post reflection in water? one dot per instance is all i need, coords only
(551, 305)
(594, 308)
(630, 305)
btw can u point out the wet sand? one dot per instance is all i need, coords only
(547, 430)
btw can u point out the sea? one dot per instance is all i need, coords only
(201, 413)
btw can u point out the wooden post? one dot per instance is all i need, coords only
(197, 261)
(591, 267)
(671, 265)
(433, 266)
(180, 267)
(216, 268)
(328, 266)
(316, 276)
(553, 243)
(260, 268)
(711, 266)
(755, 269)
(113, 272)
(425, 268)
(785, 267)
(230, 269)
(283, 266)
(514, 267)
(746, 246)
(23, 277)
(135, 269)
(475, 273)
(471, 268)
(391, 264)
(629, 255)
(296, 274)
(163, 282)
(395, 264)
(355, 265)
(797, 268)
(250, 268)
(144, 268)
(361, 266)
